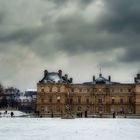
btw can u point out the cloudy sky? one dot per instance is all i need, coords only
(77, 36)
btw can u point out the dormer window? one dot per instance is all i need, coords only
(42, 89)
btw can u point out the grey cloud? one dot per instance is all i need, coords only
(121, 16)
(21, 35)
(1, 18)
(56, 30)
(62, 2)
(131, 55)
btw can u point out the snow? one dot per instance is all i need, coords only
(30, 90)
(8, 114)
(70, 129)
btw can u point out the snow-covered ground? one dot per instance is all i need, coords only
(8, 113)
(72, 129)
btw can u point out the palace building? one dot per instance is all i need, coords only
(57, 95)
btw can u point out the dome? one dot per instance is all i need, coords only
(101, 80)
(53, 77)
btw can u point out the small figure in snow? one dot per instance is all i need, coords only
(12, 114)
(114, 115)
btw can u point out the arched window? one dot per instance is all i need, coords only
(58, 99)
(87, 100)
(113, 100)
(42, 89)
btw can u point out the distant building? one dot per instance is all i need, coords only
(8, 97)
(56, 94)
(26, 102)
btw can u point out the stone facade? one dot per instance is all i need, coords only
(57, 95)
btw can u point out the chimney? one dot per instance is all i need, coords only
(93, 78)
(71, 80)
(60, 73)
(109, 78)
(45, 72)
(66, 76)
(100, 75)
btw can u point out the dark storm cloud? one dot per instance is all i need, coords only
(121, 16)
(117, 26)
(131, 55)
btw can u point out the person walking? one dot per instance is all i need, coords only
(12, 114)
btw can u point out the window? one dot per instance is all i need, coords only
(129, 90)
(50, 99)
(121, 101)
(49, 109)
(50, 89)
(87, 100)
(122, 110)
(42, 108)
(58, 99)
(100, 89)
(71, 101)
(42, 100)
(72, 90)
(100, 109)
(112, 109)
(121, 90)
(42, 89)
(99, 99)
(54, 89)
(130, 100)
(113, 100)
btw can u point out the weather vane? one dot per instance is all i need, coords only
(100, 70)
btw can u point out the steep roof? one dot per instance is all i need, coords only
(55, 77)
